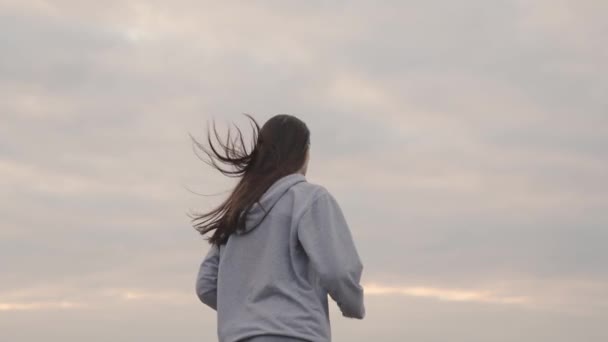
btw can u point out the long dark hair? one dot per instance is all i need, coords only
(279, 149)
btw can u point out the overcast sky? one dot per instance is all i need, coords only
(466, 142)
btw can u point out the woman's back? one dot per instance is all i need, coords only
(274, 278)
(280, 244)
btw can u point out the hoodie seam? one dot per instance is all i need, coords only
(309, 206)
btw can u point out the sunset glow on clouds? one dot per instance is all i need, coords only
(443, 294)
(57, 298)
(173, 297)
(465, 141)
(37, 306)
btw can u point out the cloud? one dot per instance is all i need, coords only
(455, 295)
(37, 306)
(465, 142)
(22, 299)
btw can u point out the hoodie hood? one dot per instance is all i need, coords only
(256, 214)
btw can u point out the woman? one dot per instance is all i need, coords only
(279, 244)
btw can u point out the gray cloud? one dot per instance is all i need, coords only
(465, 143)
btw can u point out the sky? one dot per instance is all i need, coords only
(466, 142)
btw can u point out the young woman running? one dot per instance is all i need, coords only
(279, 244)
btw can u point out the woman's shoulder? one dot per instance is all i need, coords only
(310, 192)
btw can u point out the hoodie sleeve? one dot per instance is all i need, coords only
(327, 240)
(206, 280)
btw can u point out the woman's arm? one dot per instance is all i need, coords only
(206, 281)
(327, 240)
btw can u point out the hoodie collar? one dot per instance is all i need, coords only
(270, 197)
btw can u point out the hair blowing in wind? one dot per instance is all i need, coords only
(278, 149)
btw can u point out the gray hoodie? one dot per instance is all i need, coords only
(274, 278)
